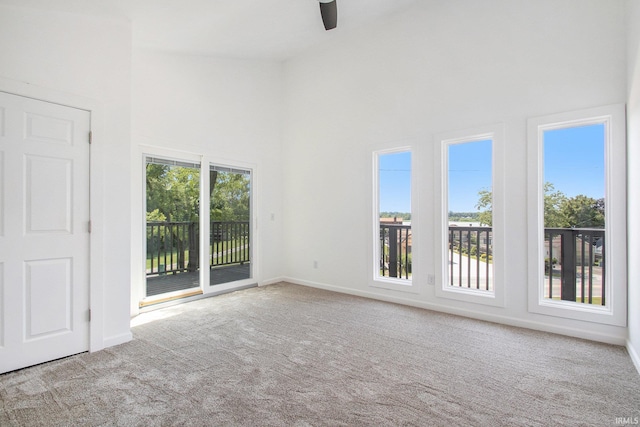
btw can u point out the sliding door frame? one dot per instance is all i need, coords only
(138, 287)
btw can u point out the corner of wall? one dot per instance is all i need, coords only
(635, 355)
(633, 166)
(117, 339)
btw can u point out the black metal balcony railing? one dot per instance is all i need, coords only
(229, 243)
(173, 247)
(574, 267)
(574, 264)
(470, 256)
(395, 250)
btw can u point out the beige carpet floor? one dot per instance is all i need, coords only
(286, 355)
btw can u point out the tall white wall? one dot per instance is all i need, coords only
(440, 66)
(633, 177)
(85, 58)
(309, 127)
(227, 110)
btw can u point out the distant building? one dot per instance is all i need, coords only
(396, 220)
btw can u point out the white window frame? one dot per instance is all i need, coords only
(615, 311)
(379, 281)
(206, 163)
(495, 133)
(206, 227)
(138, 289)
(142, 300)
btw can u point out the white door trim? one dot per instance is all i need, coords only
(146, 146)
(96, 196)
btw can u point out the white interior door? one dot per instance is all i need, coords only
(44, 231)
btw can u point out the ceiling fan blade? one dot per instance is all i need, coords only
(329, 12)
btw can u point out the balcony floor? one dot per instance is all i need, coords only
(161, 284)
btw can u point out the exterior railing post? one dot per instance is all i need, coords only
(568, 253)
(178, 243)
(393, 252)
(193, 247)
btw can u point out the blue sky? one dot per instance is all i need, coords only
(470, 168)
(573, 162)
(395, 182)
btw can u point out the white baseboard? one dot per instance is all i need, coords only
(272, 281)
(117, 339)
(635, 357)
(505, 320)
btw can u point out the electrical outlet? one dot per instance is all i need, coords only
(431, 279)
(315, 264)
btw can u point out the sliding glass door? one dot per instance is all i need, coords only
(230, 231)
(172, 227)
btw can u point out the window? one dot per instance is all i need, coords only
(392, 225)
(577, 202)
(470, 247)
(469, 201)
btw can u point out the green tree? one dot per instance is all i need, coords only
(463, 216)
(230, 198)
(553, 202)
(157, 196)
(185, 189)
(484, 205)
(584, 212)
(554, 216)
(560, 211)
(156, 216)
(401, 215)
(174, 192)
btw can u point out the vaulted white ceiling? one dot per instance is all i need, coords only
(261, 29)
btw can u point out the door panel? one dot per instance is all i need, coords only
(47, 290)
(173, 229)
(44, 236)
(45, 129)
(48, 195)
(230, 234)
